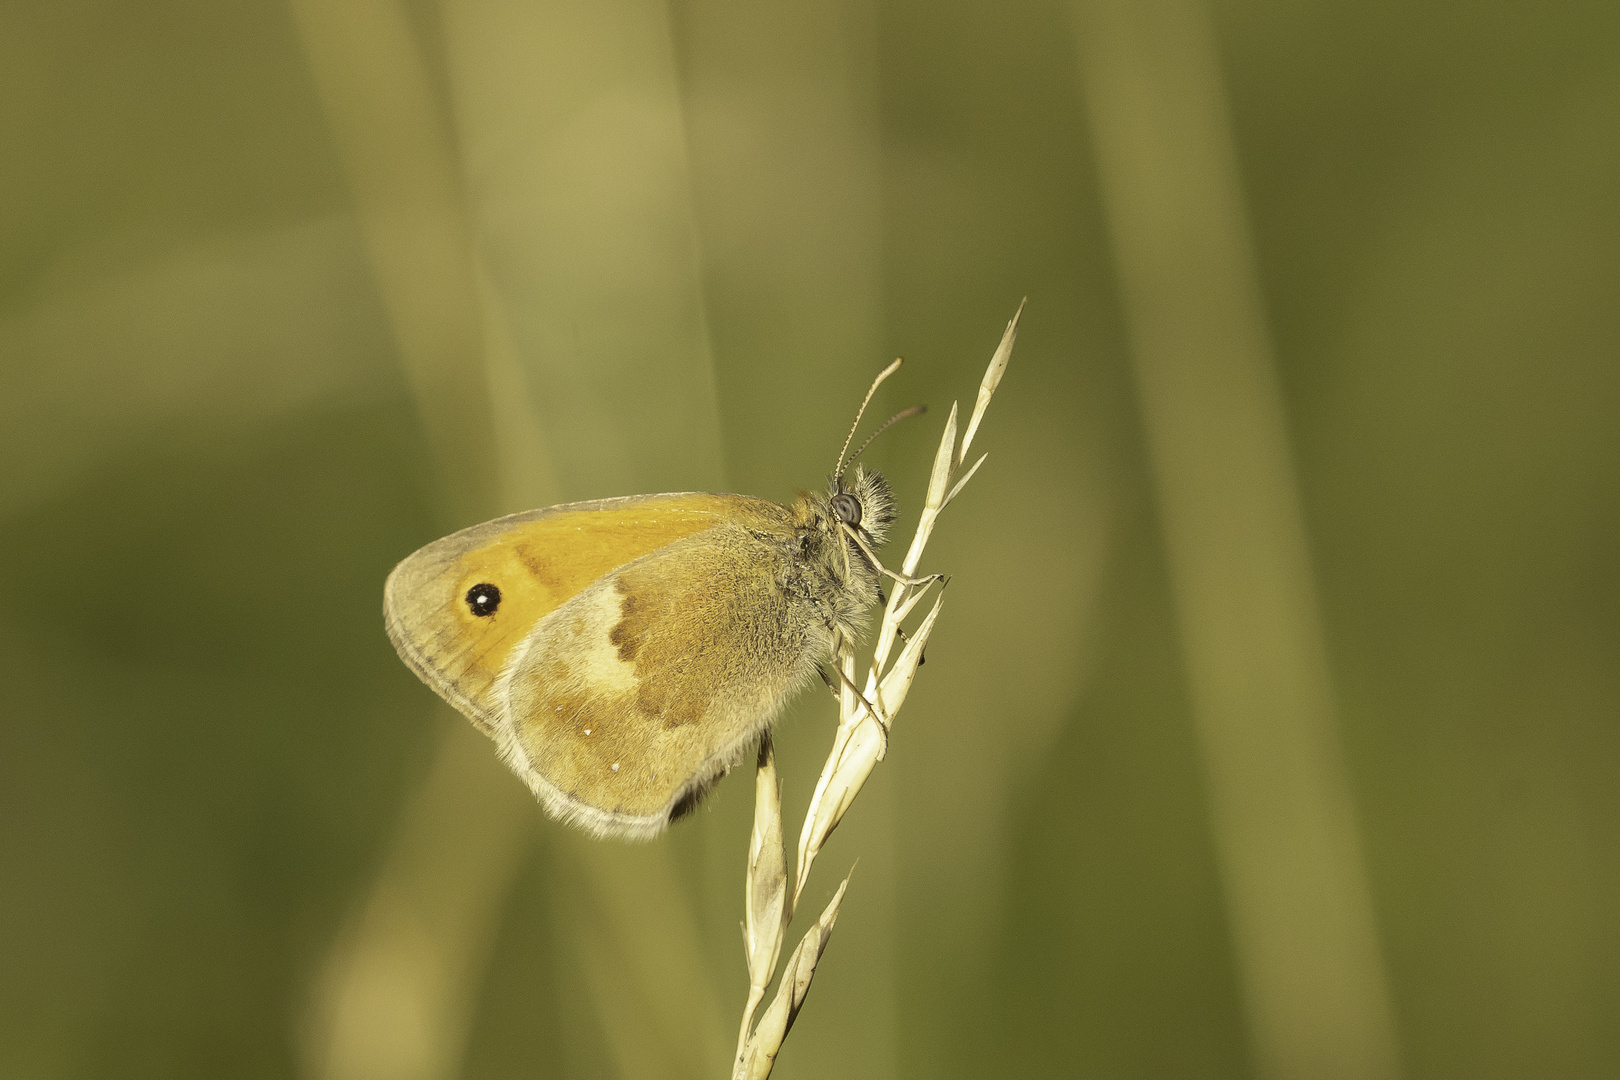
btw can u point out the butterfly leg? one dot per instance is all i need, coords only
(821, 670)
(878, 715)
(871, 557)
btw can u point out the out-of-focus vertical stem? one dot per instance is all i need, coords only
(782, 128)
(396, 996)
(568, 120)
(1305, 939)
(394, 999)
(402, 173)
(635, 941)
(569, 124)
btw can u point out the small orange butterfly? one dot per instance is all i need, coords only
(625, 653)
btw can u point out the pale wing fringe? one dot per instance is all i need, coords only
(858, 745)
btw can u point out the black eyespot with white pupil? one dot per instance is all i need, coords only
(483, 599)
(847, 507)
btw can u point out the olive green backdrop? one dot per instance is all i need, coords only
(288, 290)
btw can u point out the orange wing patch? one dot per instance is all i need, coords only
(536, 561)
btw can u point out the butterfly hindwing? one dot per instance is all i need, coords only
(631, 697)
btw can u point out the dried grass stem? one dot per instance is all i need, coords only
(865, 716)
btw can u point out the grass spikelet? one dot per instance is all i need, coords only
(865, 718)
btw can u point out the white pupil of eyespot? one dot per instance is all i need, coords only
(615, 766)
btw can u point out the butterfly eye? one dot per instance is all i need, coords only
(847, 507)
(483, 599)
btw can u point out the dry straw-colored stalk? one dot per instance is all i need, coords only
(865, 718)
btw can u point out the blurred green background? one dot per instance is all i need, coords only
(287, 291)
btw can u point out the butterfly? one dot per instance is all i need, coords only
(625, 653)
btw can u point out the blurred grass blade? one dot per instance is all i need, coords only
(395, 997)
(402, 173)
(569, 124)
(625, 916)
(1297, 894)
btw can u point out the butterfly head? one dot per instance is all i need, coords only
(865, 507)
(836, 531)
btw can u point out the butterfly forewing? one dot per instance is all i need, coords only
(457, 608)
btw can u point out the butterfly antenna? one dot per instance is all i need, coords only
(903, 414)
(877, 382)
